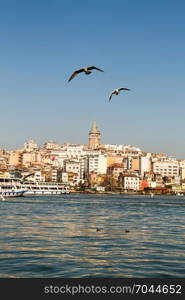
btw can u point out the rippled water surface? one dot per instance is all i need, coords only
(84, 236)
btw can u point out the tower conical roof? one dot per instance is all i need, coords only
(94, 128)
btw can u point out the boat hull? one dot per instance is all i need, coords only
(10, 193)
(38, 192)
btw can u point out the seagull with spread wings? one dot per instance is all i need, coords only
(117, 91)
(86, 70)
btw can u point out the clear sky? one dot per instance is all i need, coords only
(139, 45)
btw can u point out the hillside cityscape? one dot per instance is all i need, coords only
(95, 167)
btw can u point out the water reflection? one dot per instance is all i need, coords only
(58, 237)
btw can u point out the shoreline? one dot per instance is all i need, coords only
(127, 193)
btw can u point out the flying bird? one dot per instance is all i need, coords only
(86, 70)
(117, 91)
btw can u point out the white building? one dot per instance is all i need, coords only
(182, 163)
(166, 168)
(131, 182)
(75, 151)
(182, 173)
(182, 169)
(30, 145)
(58, 158)
(64, 177)
(72, 166)
(144, 164)
(97, 163)
(37, 177)
(51, 145)
(128, 149)
(113, 147)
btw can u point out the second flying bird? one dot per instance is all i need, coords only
(117, 91)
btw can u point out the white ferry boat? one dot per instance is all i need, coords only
(11, 188)
(45, 188)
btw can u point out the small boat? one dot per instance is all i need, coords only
(179, 194)
(11, 188)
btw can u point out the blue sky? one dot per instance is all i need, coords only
(139, 45)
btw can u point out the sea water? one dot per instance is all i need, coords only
(81, 235)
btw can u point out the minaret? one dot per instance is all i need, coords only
(94, 136)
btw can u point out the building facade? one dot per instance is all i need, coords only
(30, 145)
(166, 168)
(131, 182)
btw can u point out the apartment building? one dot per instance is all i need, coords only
(166, 168)
(130, 182)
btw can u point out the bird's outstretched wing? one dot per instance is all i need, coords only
(110, 97)
(94, 67)
(121, 89)
(75, 73)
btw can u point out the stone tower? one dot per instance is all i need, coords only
(94, 136)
